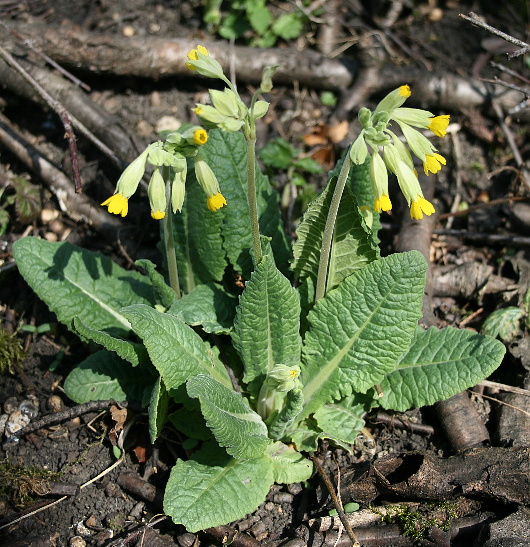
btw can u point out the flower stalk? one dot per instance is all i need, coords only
(169, 239)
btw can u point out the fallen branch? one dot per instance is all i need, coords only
(79, 207)
(153, 57)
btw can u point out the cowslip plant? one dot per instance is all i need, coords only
(254, 377)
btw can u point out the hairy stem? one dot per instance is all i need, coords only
(169, 241)
(250, 135)
(327, 236)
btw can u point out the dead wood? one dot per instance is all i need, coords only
(153, 57)
(101, 123)
(498, 474)
(79, 207)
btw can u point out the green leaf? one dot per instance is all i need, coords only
(198, 242)
(103, 376)
(439, 364)
(309, 165)
(207, 305)
(164, 294)
(158, 409)
(288, 465)
(234, 424)
(74, 282)
(133, 352)
(267, 324)
(201, 496)
(294, 402)
(175, 349)
(191, 423)
(28, 199)
(278, 153)
(342, 421)
(352, 247)
(504, 323)
(289, 26)
(260, 18)
(226, 154)
(359, 330)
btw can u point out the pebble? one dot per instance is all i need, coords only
(77, 541)
(16, 421)
(3, 422)
(29, 409)
(10, 405)
(55, 404)
(167, 123)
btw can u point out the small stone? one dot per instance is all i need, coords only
(28, 408)
(10, 405)
(57, 227)
(77, 541)
(3, 422)
(50, 236)
(128, 30)
(55, 404)
(16, 421)
(47, 215)
(167, 123)
(283, 497)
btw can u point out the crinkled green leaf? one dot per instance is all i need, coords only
(278, 153)
(226, 154)
(164, 294)
(201, 496)
(504, 323)
(359, 330)
(207, 305)
(352, 246)
(74, 282)
(28, 199)
(342, 421)
(198, 241)
(234, 424)
(294, 402)
(289, 465)
(103, 375)
(439, 364)
(158, 409)
(306, 436)
(175, 349)
(266, 328)
(289, 25)
(260, 18)
(133, 352)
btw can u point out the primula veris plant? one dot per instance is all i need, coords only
(256, 376)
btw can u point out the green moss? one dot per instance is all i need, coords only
(21, 485)
(415, 524)
(11, 352)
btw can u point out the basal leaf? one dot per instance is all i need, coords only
(175, 349)
(103, 375)
(74, 282)
(439, 364)
(197, 233)
(209, 306)
(342, 421)
(236, 427)
(133, 352)
(353, 245)
(158, 409)
(164, 294)
(266, 328)
(289, 465)
(227, 156)
(201, 496)
(504, 323)
(191, 423)
(360, 329)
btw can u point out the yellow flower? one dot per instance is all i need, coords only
(200, 137)
(382, 203)
(419, 207)
(192, 56)
(433, 163)
(117, 204)
(438, 125)
(198, 110)
(405, 91)
(216, 202)
(158, 215)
